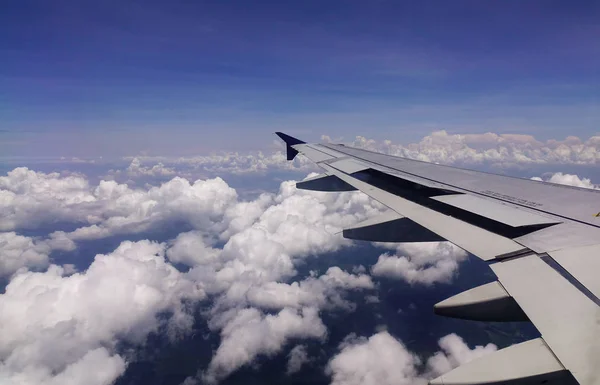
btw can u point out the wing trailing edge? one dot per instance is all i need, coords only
(324, 182)
(489, 302)
(390, 227)
(527, 363)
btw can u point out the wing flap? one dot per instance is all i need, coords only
(482, 243)
(390, 227)
(583, 263)
(568, 321)
(312, 152)
(497, 211)
(527, 363)
(349, 166)
(324, 182)
(489, 302)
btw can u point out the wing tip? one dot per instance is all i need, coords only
(289, 140)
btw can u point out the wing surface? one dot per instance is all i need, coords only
(542, 241)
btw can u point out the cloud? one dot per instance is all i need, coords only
(455, 352)
(379, 360)
(34, 199)
(17, 251)
(241, 254)
(297, 357)
(421, 263)
(136, 170)
(29, 199)
(215, 164)
(191, 249)
(322, 292)
(382, 359)
(570, 180)
(59, 328)
(250, 332)
(499, 149)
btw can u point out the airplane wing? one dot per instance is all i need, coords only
(542, 241)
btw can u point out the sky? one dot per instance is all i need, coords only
(120, 78)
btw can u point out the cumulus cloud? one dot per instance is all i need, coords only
(244, 163)
(251, 332)
(17, 251)
(569, 180)
(60, 329)
(137, 170)
(242, 254)
(378, 360)
(297, 357)
(421, 263)
(382, 359)
(29, 199)
(455, 352)
(34, 199)
(323, 291)
(501, 149)
(213, 164)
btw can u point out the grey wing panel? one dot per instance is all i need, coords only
(568, 321)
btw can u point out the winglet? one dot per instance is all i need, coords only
(289, 142)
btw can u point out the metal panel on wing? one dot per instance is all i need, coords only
(323, 182)
(390, 227)
(527, 363)
(497, 211)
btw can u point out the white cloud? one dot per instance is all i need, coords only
(214, 164)
(323, 291)
(379, 360)
(17, 251)
(59, 328)
(263, 239)
(29, 199)
(297, 357)
(500, 149)
(570, 180)
(135, 169)
(190, 249)
(455, 352)
(34, 199)
(421, 263)
(237, 163)
(382, 359)
(251, 333)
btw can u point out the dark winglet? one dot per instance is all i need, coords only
(289, 142)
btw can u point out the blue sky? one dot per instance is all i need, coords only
(112, 78)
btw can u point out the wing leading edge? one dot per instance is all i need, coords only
(540, 239)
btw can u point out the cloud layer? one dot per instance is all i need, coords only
(420, 263)
(59, 328)
(242, 256)
(500, 149)
(488, 149)
(239, 257)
